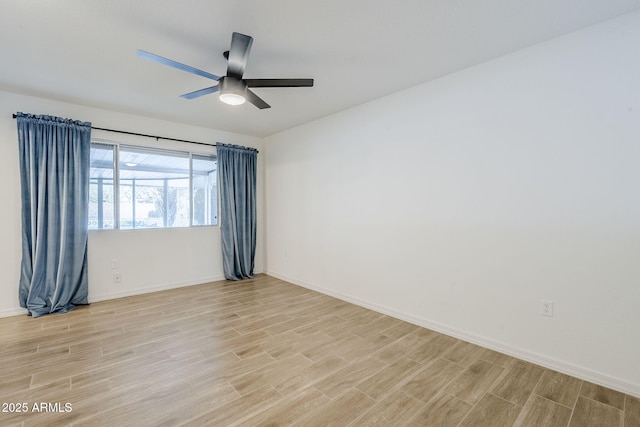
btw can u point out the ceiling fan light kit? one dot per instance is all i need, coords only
(233, 89)
(232, 98)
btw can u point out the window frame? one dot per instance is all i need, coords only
(117, 146)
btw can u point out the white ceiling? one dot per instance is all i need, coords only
(356, 50)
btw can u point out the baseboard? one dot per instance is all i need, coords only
(150, 289)
(10, 312)
(529, 356)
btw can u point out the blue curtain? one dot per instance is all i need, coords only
(237, 183)
(54, 174)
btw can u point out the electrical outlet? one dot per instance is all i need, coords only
(117, 278)
(546, 307)
(114, 263)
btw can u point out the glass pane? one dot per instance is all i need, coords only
(205, 194)
(101, 188)
(154, 188)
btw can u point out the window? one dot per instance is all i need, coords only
(136, 187)
(101, 187)
(205, 189)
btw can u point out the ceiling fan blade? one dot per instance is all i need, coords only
(174, 64)
(238, 54)
(201, 92)
(256, 100)
(279, 82)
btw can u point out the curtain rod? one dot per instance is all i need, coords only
(148, 136)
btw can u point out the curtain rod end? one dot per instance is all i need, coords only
(14, 116)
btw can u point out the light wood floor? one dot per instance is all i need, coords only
(265, 352)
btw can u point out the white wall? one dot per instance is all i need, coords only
(460, 203)
(149, 259)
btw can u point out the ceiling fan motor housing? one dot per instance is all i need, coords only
(231, 85)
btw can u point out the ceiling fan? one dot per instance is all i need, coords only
(234, 90)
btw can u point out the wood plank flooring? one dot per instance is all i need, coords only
(264, 352)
